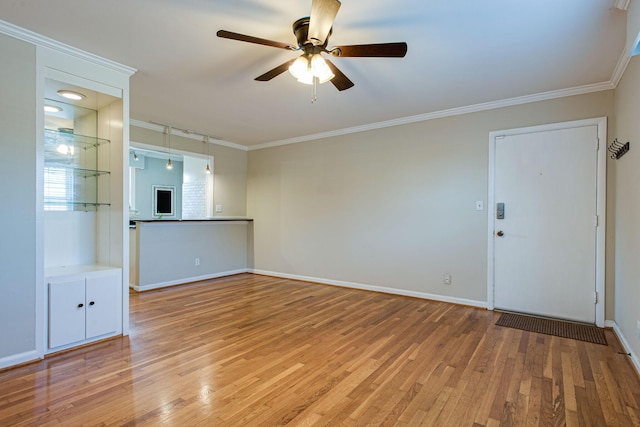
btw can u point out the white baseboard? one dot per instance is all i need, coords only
(634, 357)
(186, 280)
(393, 291)
(17, 359)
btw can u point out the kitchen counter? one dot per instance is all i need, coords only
(169, 252)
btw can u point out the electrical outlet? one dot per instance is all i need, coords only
(197, 261)
(218, 208)
(447, 279)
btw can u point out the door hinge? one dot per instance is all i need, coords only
(595, 297)
(596, 221)
(597, 144)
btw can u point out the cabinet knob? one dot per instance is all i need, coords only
(80, 305)
(92, 303)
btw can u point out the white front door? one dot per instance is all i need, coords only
(545, 221)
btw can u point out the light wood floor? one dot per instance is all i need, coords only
(253, 350)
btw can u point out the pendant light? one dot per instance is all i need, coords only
(206, 141)
(169, 164)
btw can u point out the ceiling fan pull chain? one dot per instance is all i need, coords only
(314, 96)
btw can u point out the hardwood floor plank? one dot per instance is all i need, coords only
(253, 350)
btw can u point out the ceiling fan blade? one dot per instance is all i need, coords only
(275, 72)
(323, 13)
(340, 81)
(250, 39)
(380, 50)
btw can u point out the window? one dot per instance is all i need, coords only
(58, 188)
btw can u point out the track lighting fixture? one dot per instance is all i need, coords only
(206, 142)
(168, 133)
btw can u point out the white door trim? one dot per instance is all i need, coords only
(601, 123)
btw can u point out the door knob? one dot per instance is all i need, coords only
(500, 233)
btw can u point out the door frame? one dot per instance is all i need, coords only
(601, 206)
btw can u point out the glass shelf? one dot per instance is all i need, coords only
(56, 137)
(57, 205)
(78, 172)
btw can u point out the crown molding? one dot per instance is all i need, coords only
(43, 41)
(579, 90)
(621, 66)
(621, 4)
(40, 40)
(159, 128)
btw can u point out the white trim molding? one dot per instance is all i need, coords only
(635, 361)
(621, 67)
(579, 90)
(18, 359)
(43, 41)
(381, 289)
(185, 280)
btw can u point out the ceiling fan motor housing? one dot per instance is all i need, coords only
(301, 31)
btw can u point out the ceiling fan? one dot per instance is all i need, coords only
(312, 34)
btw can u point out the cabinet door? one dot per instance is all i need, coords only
(66, 312)
(103, 305)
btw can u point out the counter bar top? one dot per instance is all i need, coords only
(194, 220)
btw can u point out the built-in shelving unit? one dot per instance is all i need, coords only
(83, 186)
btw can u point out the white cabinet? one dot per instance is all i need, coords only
(84, 306)
(66, 312)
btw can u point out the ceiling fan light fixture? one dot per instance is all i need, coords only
(305, 69)
(306, 79)
(300, 68)
(320, 69)
(312, 34)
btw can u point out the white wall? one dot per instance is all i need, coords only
(69, 238)
(18, 246)
(391, 208)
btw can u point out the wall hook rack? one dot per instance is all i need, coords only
(618, 149)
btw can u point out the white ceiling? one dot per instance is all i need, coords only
(460, 53)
